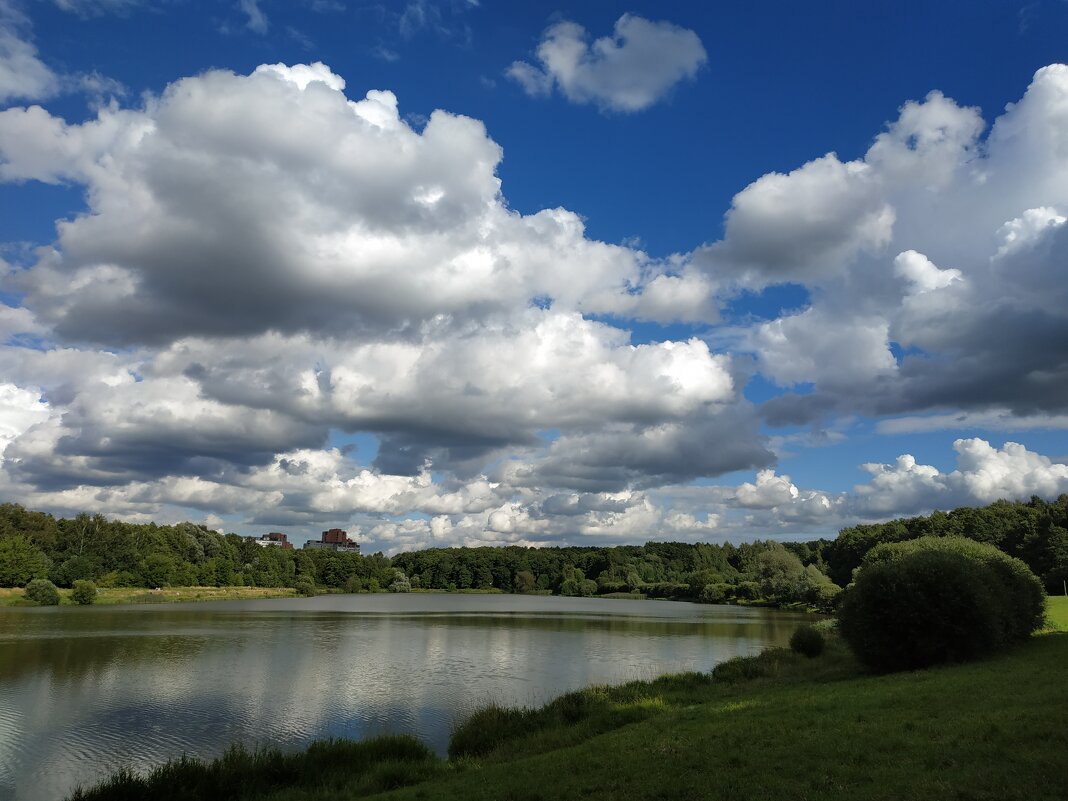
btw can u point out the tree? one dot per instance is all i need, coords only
(43, 592)
(158, 569)
(77, 567)
(572, 583)
(524, 581)
(400, 583)
(38, 527)
(780, 574)
(21, 561)
(819, 591)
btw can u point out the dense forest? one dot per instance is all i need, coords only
(117, 554)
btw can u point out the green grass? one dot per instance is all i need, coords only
(1057, 613)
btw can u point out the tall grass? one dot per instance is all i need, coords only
(572, 717)
(358, 768)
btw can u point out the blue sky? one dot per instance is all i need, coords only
(588, 273)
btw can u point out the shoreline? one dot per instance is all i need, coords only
(14, 597)
(858, 734)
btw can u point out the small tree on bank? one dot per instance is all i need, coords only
(83, 592)
(400, 583)
(42, 592)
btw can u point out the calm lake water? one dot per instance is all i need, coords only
(86, 690)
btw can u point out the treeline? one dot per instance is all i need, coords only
(112, 553)
(1034, 531)
(118, 554)
(778, 573)
(35, 545)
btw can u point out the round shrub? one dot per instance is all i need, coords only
(43, 592)
(84, 592)
(807, 641)
(304, 587)
(925, 608)
(716, 593)
(1018, 589)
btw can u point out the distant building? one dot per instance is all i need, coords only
(334, 540)
(274, 539)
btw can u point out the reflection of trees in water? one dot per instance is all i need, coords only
(78, 658)
(72, 645)
(777, 628)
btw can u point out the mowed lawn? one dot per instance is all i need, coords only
(1057, 612)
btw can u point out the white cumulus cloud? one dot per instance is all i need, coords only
(984, 474)
(628, 71)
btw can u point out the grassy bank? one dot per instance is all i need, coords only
(139, 595)
(1057, 613)
(774, 726)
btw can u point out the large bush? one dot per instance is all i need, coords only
(1018, 589)
(923, 606)
(807, 640)
(43, 592)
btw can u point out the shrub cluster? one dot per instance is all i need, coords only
(43, 592)
(769, 663)
(84, 592)
(807, 641)
(938, 599)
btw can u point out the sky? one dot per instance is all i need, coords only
(484, 273)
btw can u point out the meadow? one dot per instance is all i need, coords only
(111, 596)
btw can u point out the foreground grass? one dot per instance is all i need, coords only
(773, 726)
(140, 595)
(327, 766)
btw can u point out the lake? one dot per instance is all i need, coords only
(86, 690)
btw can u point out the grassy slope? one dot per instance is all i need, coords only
(1057, 613)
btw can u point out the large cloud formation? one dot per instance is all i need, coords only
(264, 261)
(267, 269)
(935, 265)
